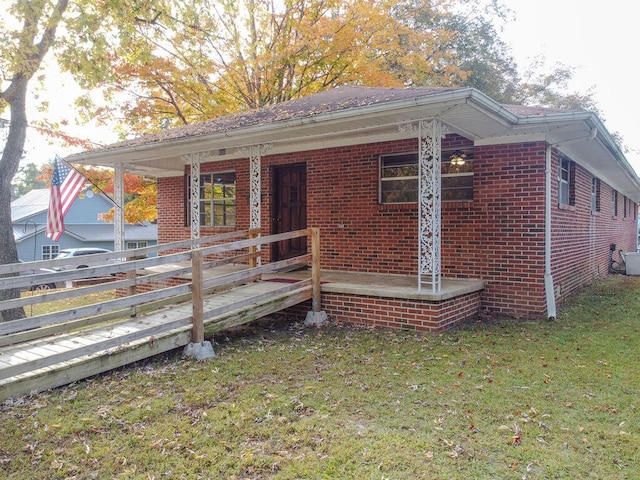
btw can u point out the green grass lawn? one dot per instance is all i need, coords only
(67, 303)
(507, 400)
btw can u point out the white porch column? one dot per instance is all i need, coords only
(255, 187)
(429, 203)
(255, 153)
(255, 198)
(118, 218)
(194, 160)
(194, 186)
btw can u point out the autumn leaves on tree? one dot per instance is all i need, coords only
(186, 62)
(140, 198)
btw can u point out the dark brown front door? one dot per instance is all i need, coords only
(289, 209)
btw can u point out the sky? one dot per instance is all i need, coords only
(599, 39)
(596, 38)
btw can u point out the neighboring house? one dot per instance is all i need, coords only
(82, 227)
(529, 201)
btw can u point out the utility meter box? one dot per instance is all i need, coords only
(632, 263)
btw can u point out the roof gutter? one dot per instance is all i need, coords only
(466, 95)
(602, 136)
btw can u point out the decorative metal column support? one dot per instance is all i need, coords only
(255, 197)
(255, 153)
(118, 218)
(430, 135)
(255, 187)
(194, 186)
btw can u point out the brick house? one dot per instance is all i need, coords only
(439, 202)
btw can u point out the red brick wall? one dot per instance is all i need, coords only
(498, 237)
(417, 315)
(581, 238)
(356, 232)
(172, 197)
(406, 314)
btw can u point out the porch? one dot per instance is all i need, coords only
(394, 301)
(380, 300)
(172, 300)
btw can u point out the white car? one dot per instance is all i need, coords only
(43, 286)
(79, 252)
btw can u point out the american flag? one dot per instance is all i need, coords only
(65, 185)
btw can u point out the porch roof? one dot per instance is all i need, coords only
(352, 115)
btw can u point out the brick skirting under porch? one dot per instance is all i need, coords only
(393, 301)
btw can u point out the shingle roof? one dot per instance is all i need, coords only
(334, 100)
(348, 115)
(530, 111)
(337, 99)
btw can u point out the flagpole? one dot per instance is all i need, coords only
(92, 183)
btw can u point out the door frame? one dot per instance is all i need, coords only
(274, 204)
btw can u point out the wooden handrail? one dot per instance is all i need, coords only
(138, 252)
(133, 275)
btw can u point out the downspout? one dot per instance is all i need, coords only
(548, 276)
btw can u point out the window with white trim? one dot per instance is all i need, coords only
(49, 252)
(614, 202)
(217, 199)
(566, 181)
(134, 245)
(399, 177)
(457, 176)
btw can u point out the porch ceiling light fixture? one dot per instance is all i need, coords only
(458, 158)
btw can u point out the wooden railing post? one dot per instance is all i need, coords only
(198, 348)
(131, 275)
(131, 289)
(197, 297)
(253, 261)
(316, 316)
(315, 268)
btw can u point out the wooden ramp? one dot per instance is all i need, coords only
(51, 350)
(61, 359)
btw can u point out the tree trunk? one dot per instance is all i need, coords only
(11, 155)
(16, 97)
